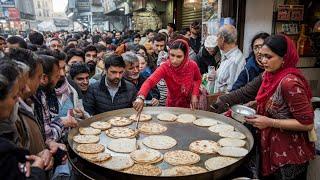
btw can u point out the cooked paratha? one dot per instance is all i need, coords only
(120, 121)
(89, 131)
(221, 127)
(183, 171)
(205, 122)
(233, 151)
(231, 142)
(181, 157)
(152, 128)
(90, 148)
(122, 145)
(144, 170)
(186, 118)
(102, 125)
(96, 157)
(232, 134)
(204, 147)
(219, 162)
(143, 117)
(159, 142)
(120, 132)
(118, 163)
(146, 156)
(86, 139)
(167, 117)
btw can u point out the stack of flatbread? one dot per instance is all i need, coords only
(146, 156)
(152, 128)
(183, 171)
(204, 147)
(120, 132)
(120, 121)
(144, 170)
(180, 157)
(159, 142)
(86, 139)
(167, 117)
(143, 117)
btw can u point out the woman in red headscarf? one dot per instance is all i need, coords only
(285, 113)
(182, 77)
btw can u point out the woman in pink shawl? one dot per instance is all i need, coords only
(182, 77)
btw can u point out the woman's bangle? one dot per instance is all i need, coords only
(274, 123)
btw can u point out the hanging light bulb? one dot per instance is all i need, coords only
(195, 4)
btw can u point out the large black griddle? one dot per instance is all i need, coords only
(183, 133)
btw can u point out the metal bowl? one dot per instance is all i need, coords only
(239, 112)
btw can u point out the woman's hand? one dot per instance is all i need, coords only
(47, 158)
(154, 102)
(69, 121)
(138, 104)
(194, 102)
(37, 161)
(259, 121)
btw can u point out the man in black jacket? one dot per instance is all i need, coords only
(112, 91)
(132, 74)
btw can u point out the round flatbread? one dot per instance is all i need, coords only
(143, 117)
(86, 139)
(152, 128)
(204, 147)
(144, 170)
(232, 134)
(219, 162)
(180, 157)
(120, 132)
(102, 125)
(146, 156)
(96, 157)
(183, 171)
(186, 118)
(90, 148)
(231, 142)
(159, 142)
(89, 131)
(233, 151)
(120, 121)
(122, 145)
(221, 127)
(167, 117)
(205, 122)
(118, 163)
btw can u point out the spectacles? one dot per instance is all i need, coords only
(257, 47)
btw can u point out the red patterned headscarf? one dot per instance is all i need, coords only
(271, 81)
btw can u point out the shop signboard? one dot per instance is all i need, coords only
(7, 3)
(83, 6)
(61, 22)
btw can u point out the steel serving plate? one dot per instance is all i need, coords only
(185, 134)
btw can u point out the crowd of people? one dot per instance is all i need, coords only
(50, 82)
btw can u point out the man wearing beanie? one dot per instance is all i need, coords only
(209, 54)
